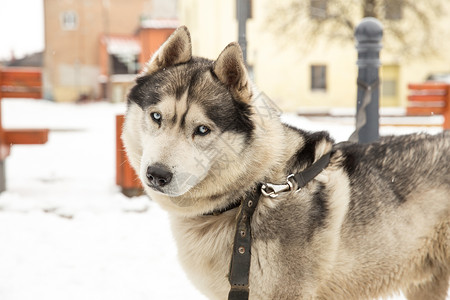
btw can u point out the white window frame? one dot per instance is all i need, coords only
(69, 20)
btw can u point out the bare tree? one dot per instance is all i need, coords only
(410, 27)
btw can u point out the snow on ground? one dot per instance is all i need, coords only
(66, 231)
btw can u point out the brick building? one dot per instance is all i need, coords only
(91, 45)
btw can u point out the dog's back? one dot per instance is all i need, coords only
(398, 222)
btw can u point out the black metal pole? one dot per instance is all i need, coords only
(368, 35)
(242, 14)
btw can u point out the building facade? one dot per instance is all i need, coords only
(323, 77)
(88, 41)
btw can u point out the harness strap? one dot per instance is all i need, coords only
(310, 173)
(219, 211)
(241, 256)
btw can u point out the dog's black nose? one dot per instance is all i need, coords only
(158, 175)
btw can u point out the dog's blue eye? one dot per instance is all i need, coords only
(202, 130)
(156, 117)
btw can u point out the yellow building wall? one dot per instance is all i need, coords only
(212, 25)
(283, 71)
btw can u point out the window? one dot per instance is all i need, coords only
(390, 78)
(389, 88)
(318, 78)
(393, 9)
(69, 20)
(318, 9)
(124, 64)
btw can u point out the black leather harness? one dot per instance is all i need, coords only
(241, 255)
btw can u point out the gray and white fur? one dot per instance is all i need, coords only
(374, 222)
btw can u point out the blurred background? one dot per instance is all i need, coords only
(301, 53)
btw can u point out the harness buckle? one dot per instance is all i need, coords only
(272, 190)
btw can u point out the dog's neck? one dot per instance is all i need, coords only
(234, 203)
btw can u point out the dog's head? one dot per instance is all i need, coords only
(189, 121)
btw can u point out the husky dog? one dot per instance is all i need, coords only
(375, 221)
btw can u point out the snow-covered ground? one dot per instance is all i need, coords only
(66, 231)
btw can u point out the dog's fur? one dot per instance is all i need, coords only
(375, 221)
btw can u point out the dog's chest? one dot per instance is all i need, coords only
(204, 248)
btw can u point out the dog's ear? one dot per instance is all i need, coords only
(231, 71)
(176, 50)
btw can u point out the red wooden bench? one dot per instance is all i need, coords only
(426, 99)
(19, 83)
(126, 177)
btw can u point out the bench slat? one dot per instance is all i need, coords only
(22, 83)
(428, 98)
(25, 136)
(22, 72)
(35, 95)
(424, 111)
(428, 86)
